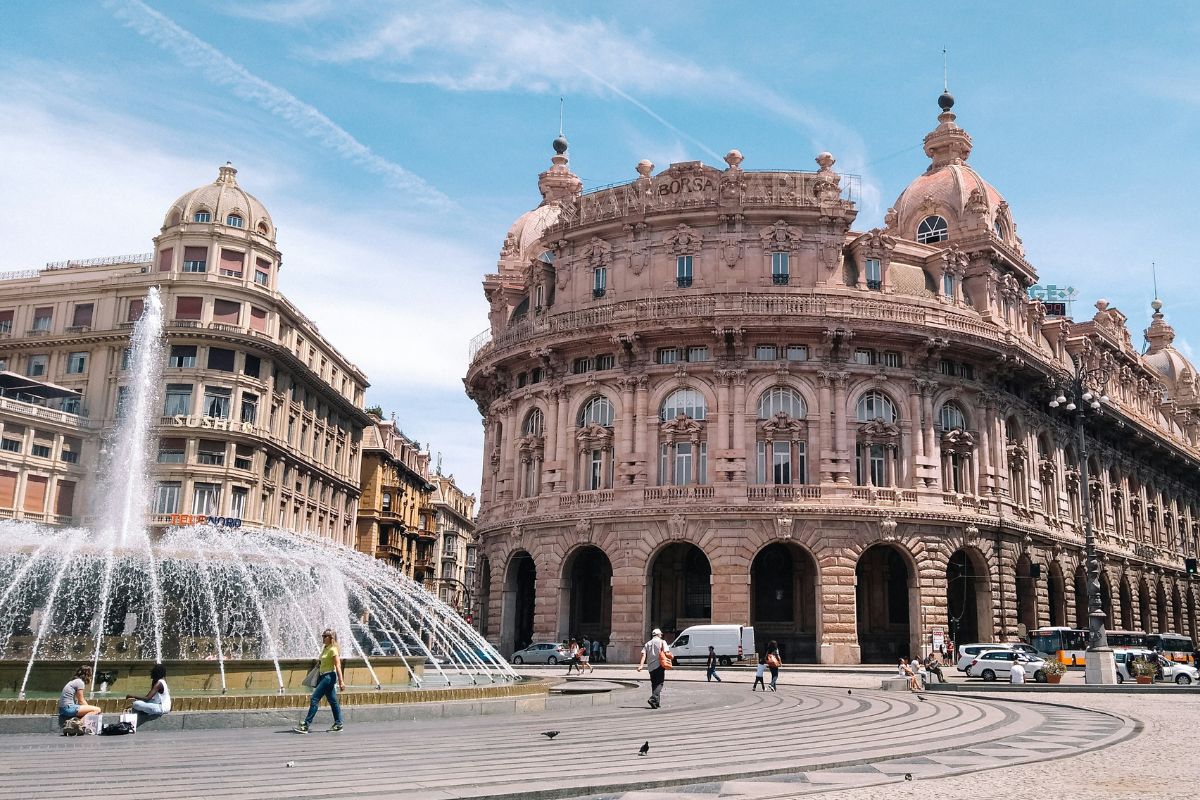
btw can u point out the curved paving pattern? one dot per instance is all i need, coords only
(707, 740)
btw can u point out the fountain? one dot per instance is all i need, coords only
(226, 609)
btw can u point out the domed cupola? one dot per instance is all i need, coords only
(1177, 372)
(222, 203)
(558, 186)
(950, 202)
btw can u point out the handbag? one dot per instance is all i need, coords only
(664, 659)
(773, 661)
(310, 680)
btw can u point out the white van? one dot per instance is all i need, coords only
(731, 643)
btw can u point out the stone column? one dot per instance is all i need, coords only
(739, 423)
(840, 424)
(564, 427)
(722, 432)
(552, 434)
(640, 432)
(625, 432)
(628, 602)
(825, 444)
(838, 642)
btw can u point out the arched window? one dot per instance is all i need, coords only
(781, 398)
(202, 216)
(234, 221)
(534, 422)
(598, 411)
(386, 503)
(998, 228)
(781, 441)
(688, 402)
(948, 284)
(932, 229)
(951, 418)
(263, 229)
(876, 405)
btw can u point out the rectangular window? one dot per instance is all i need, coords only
(946, 366)
(177, 399)
(10, 445)
(171, 451)
(211, 453)
(195, 259)
(599, 281)
(765, 352)
(188, 308)
(166, 498)
(182, 356)
(948, 285)
(874, 274)
(866, 357)
(697, 353)
(202, 216)
(522, 380)
(781, 463)
(36, 366)
(966, 371)
(136, 306)
(70, 450)
(206, 498)
(232, 262)
(216, 402)
(166, 257)
(81, 317)
(596, 470)
(43, 318)
(667, 355)
(125, 353)
(220, 359)
(683, 271)
(251, 365)
(606, 361)
(249, 408)
(581, 365)
(261, 278)
(780, 270)
(892, 359)
(258, 319)
(243, 457)
(122, 396)
(6, 321)
(878, 468)
(77, 363)
(237, 502)
(797, 352)
(227, 312)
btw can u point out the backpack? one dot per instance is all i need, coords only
(117, 729)
(73, 727)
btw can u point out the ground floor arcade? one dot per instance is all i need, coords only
(828, 590)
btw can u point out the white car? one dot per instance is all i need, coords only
(540, 653)
(968, 652)
(993, 664)
(1182, 674)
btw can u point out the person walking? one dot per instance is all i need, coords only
(1016, 673)
(712, 665)
(71, 703)
(573, 656)
(158, 701)
(657, 655)
(329, 682)
(583, 659)
(596, 650)
(759, 673)
(774, 662)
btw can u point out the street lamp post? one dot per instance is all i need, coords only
(1099, 666)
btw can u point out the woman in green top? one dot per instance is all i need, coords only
(328, 684)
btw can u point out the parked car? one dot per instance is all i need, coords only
(730, 642)
(1167, 670)
(991, 664)
(969, 652)
(540, 653)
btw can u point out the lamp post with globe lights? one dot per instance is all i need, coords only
(1080, 394)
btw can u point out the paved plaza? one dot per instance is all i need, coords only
(831, 734)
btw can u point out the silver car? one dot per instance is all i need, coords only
(540, 653)
(1167, 670)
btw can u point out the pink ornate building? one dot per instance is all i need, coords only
(706, 397)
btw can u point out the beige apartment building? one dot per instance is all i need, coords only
(458, 548)
(262, 417)
(708, 397)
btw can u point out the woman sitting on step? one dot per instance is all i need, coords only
(158, 701)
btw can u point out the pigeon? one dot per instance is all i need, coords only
(645, 748)
(922, 699)
(908, 776)
(549, 734)
(849, 692)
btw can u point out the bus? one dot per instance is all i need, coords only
(1174, 646)
(1134, 639)
(1067, 645)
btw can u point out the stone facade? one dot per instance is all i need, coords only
(262, 416)
(706, 397)
(457, 578)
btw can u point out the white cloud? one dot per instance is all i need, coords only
(303, 117)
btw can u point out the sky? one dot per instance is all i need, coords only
(394, 143)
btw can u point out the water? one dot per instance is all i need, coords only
(119, 591)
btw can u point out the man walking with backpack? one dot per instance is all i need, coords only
(657, 655)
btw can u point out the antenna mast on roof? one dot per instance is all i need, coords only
(439, 463)
(945, 71)
(560, 116)
(1154, 276)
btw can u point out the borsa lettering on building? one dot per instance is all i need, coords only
(181, 520)
(699, 183)
(212, 423)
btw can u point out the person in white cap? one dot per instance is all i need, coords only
(655, 652)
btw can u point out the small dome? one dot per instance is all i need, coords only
(520, 245)
(1178, 374)
(222, 199)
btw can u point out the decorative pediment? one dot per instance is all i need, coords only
(879, 431)
(1047, 470)
(597, 252)
(684, 240)
(1017, 454)
(780, 236)
(958, 441)
(594, 437)
(530, 447)
(782, 426)
(682, 428)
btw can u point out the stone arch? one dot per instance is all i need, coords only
(586, 397)
(585, 593)
(1056, 595)
(887, 602)
(969, 411)
(519, 595)
(802, 387)
(969, 596)
(865, 387)
(663, 389)
(678, 587)
(1026, 593)
(785, 599)
(1125, 597)
(1160, 603)
(1144, 605)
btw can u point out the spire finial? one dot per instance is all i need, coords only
(945, 71)
(560, 144)
(561, 103)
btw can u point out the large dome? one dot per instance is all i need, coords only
(950, 189)
(1178, 374)
(222, 199)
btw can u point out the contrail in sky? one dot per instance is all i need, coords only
(306, 119)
